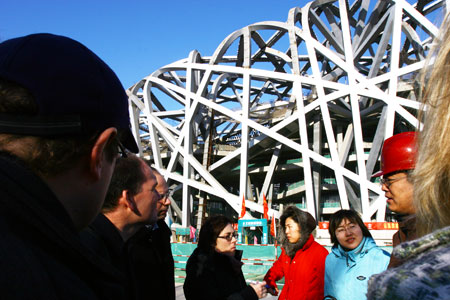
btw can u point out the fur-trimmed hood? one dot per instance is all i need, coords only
(307, 225)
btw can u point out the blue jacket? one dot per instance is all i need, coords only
(347, 273)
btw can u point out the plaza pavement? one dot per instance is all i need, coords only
(180, 293)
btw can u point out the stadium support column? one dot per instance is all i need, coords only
(207, 153)
(243, 182)
(245, 55)
(317, 147)
(188, 146)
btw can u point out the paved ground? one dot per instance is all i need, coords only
(179, 291)
(180, 294)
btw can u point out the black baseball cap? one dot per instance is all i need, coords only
(75, 91)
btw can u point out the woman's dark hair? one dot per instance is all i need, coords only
(304, 219)
(209, 232)
(336, 220)
(307, 224)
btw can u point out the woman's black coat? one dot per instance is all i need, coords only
(216, 277)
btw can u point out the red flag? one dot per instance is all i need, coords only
(273, 227)
(266, 208)
(243, 211)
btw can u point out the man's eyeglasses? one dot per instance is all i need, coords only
(229, 237)
(388, 181)
(164, 196)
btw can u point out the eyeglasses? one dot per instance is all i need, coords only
(164, 196)
(350, 227)
(122, 151)
(229, 237)
(388, 182)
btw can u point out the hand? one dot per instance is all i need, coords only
(273, 291)
(260, 289)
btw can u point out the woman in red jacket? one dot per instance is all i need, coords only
(302, 261)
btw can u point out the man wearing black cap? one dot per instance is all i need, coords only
(63, 119)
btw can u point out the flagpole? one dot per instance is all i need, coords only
(275, 230)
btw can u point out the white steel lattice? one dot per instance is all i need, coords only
(296, 110)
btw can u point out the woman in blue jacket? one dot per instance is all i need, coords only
(353, 259)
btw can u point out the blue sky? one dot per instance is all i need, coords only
(137, 37)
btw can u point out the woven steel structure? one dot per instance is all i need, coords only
(294, 110)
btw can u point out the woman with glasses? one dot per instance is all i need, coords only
(353, 259)
(302, 260)
(213, 270)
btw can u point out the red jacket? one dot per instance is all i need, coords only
(303, 275)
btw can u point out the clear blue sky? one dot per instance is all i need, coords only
(136, 37)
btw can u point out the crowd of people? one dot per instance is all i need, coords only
(67, 233)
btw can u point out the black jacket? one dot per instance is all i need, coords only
(41, 256)
(145, 259)
(216, 277)
(151, 262)
(103, 238)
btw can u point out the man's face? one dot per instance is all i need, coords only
(399, 193)
(147, 199)
(164, 202)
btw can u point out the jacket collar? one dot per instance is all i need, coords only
(407, 223)
(110, 234)
(363, 248)
(214, 259)
(33, 204)
(308, 243)
(19, 178)
(434, 240)
(237, 255)
(305, 247)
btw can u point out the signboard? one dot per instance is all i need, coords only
(252, 223)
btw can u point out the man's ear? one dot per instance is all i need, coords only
(98, 152)
(129, 200)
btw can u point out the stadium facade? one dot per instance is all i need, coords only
(296, 111)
